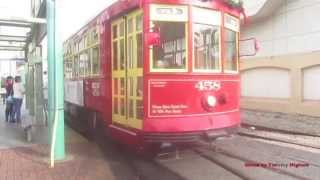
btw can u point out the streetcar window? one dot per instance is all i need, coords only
(68, 68)
(139, 50)
(139, 42)
(86, 41)
(121, 29)
(131, 109)
(140, 87)
(83, 64)
(130, 86)
(122, 55)
(115, 32)
(74, 48)
(206, 47)
(139, 23)
(231, 51)
(115, 55)
(115, 86)
(95, 61)
(134, 42)
(139, 109)
(115, 106)
(88, 63)
(122, 107)
(130, 54)
(122, 87)
(130, 25)
(171, 53)
(119, 46)
(75, 67)
(82, 44)
(94, 36)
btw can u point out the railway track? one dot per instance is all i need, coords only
(151, 169)
(304, 140)
(276, 140)
(171, 160)
(210, 153)
(205, 150)
(227, 167)
(146, 169)
(281, 131)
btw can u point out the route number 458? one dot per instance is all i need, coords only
(208, 85)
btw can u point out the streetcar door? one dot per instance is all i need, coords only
(127, 70)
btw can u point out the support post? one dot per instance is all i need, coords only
(55, 81)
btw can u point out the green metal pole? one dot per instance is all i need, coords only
(55, 81)
(59, 69)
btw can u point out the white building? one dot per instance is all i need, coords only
(285, 74)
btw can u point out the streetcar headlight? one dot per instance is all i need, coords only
(212, 101)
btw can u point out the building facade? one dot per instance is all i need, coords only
(285, 74)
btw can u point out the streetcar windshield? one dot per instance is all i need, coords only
(206, 40)
(230, 44)
(206, 47)
(231, 59)
(171, 53)
(210, 52)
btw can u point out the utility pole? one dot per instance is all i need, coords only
(55, 81)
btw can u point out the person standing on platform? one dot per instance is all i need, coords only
(18, 94)
(9, 99)
(3, 94)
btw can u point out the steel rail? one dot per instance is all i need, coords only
(224, 166)
(276, 170)
(275, 140)
(258, 127)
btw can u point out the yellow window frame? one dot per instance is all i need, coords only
(170, 18)
(117, 73)
(135, 72)
(185, 69)
(99, 61)
(237, 31)
(220, 54)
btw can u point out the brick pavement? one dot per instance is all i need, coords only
(22, 160)
(30, 162)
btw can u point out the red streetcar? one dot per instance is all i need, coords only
(156, 71)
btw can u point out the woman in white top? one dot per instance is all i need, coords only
(18, 93)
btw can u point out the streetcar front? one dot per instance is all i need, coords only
(191, 71)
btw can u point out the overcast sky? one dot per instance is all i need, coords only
(77, 12)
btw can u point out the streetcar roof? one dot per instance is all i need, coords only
(123, 6)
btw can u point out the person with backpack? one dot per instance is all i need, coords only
(9, 99)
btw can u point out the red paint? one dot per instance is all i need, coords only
(179, 90)
(182, 98)
(191, 124)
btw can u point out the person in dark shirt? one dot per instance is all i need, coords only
(9, 98)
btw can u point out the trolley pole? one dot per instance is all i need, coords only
(55, 82)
